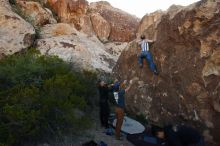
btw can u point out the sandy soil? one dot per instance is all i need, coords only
(96, 133)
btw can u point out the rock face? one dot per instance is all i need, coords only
(85, 25)
(15, 33)
(186, 52)
(123, 25)
(148, 24)
(59, 29)
(115, 48)
(72, 46)
(36, 13)
(101, 27)
(69, 10)
(73, 11)
(99, 18)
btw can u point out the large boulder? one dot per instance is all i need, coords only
(75, 47)
(101, 27)
(186, 52)
(36, 13)
(123, 25)
(86, 25)
(15, 33)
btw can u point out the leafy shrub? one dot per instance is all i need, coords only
(40, 96)
(12, 2)
(37, 32)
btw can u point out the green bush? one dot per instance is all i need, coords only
(39, 98)
(12, 2)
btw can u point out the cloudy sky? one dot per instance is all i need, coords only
(141, 7)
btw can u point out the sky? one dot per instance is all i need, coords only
(142, 7)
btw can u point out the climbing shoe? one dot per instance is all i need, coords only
(120, 138)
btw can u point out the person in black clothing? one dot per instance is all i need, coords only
(179, 136)
(104, 90)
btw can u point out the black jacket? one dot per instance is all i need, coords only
(103, 94)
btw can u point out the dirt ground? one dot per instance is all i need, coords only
(96, 133)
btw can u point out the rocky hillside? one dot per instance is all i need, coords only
(71, 29)
(15, 33)
(99, 18)
(92, 36)
(187, 54)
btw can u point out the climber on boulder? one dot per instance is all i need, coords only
(145, 53)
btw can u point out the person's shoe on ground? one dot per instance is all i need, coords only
(119, 138)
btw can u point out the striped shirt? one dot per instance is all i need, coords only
(144, 46)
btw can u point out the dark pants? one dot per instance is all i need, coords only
(120, 117)
(148, 56)
(200, 143)
(104, 114)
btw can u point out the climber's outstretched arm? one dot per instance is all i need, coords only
(150, 41)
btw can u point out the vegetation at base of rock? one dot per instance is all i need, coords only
(17, 9)
(42, 97)
(12, 2)
(37, 32)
